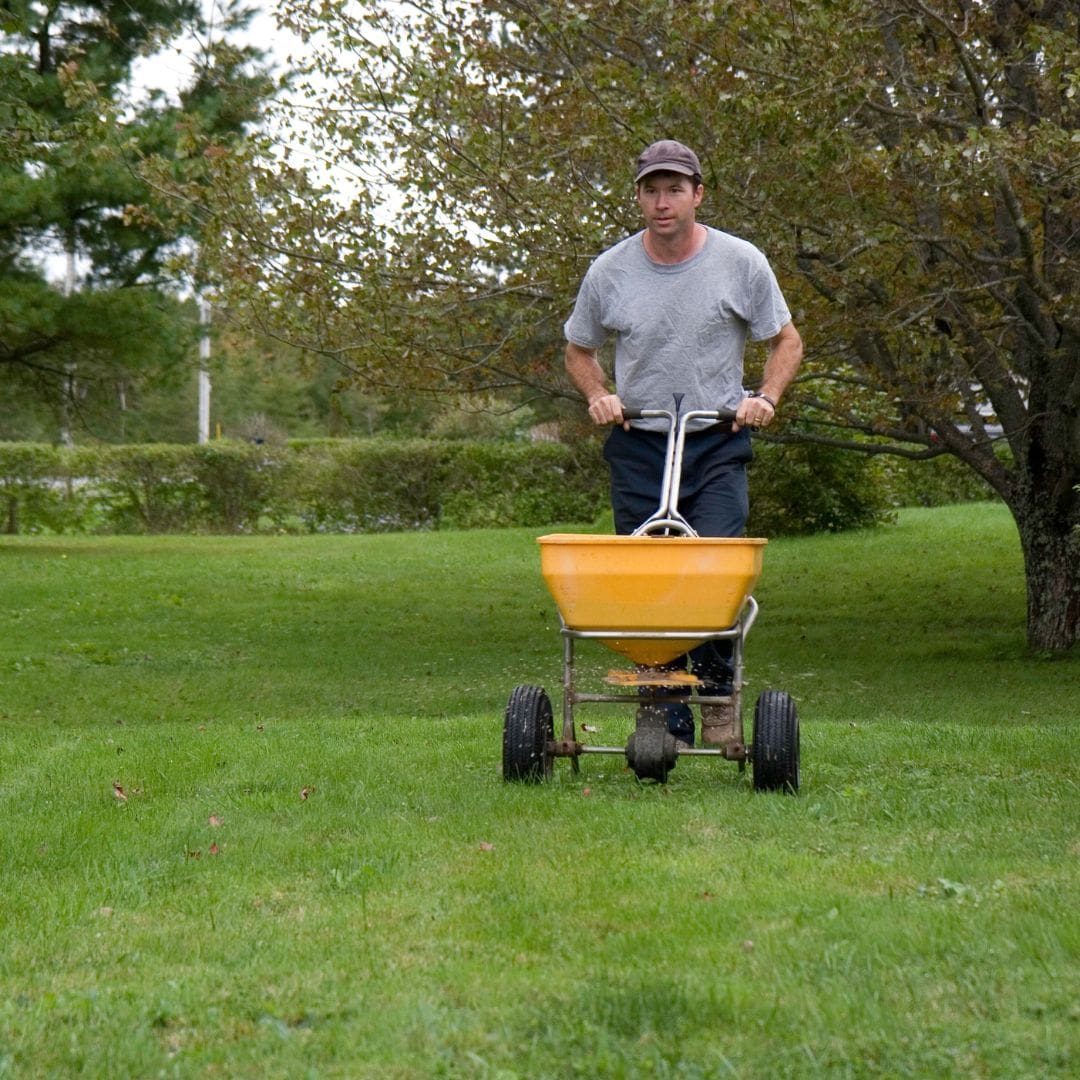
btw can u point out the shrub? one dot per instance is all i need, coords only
(365, 485)
(236, 482)
(494, 484)
(149, 488)
(32, 487)
(381, 485)
(941, 481)
(798, 488)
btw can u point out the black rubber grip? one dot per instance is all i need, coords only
(723, 415)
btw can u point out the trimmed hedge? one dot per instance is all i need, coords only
(347, 485)
(33, 497)
(383, 485)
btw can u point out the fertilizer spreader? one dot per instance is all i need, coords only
(651, 597)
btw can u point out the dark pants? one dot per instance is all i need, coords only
(712, 497)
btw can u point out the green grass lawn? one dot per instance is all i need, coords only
(316, 870)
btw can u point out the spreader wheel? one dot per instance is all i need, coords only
(527, 729)
(775, 751)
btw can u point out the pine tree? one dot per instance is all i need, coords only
(89, 307)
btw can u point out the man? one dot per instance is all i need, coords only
(682, 299)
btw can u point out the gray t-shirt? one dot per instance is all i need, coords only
(678, 328)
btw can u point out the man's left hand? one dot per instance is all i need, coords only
(754, 413)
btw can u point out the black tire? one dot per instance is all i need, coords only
(527, 728)
(775, 751)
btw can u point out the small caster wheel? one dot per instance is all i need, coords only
(652, 750)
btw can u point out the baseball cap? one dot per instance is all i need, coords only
(667, 156)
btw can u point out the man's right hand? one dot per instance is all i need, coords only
(586, 374)
(606, 409)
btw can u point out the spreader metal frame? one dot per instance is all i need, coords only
(568, 745)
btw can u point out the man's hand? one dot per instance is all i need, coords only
(586, 374)
(754, 413)
(606, 409)
(785, 355)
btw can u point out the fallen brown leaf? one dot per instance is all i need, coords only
(306, 791)
(119, 792)
(215, 821)
(485, 846)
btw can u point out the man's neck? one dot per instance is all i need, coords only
(675, 249)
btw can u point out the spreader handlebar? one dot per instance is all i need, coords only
(725, 415)
(667, 520)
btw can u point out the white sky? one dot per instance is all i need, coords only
(171, 68)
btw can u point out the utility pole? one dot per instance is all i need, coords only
(68, 404)
(204, 370)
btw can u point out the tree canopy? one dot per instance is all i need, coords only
(911, 167)
(75, 203)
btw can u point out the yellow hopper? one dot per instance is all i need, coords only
(637, 584)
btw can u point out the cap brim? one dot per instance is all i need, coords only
(665, 166)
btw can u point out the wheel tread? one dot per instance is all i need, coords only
(775, 750)
(527, 727)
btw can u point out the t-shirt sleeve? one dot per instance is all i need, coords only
(769, 312)
(584, 327)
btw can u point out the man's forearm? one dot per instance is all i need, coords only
(785, 355)
(585, 372)
(588, 376)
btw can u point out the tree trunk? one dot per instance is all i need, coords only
(1051, 550)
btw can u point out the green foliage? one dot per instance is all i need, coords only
(941, 481)
(388, 485)
(802, 488)
(346, 485)
(481, 417)
(236, 481)
(28, 498)
(368, 485)
(73, 148)
(490, 485)
(147, 488)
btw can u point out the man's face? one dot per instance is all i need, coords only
(669, 202)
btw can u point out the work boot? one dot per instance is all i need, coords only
(722, 727)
